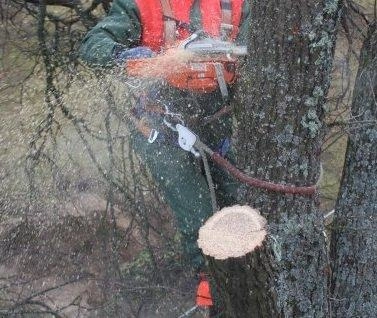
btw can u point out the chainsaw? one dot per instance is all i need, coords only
(199, 64)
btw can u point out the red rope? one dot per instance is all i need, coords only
(269, 186)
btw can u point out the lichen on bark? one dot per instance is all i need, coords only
(279, 120)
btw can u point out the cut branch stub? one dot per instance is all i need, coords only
(232, 232)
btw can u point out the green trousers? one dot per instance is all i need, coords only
(180, 176)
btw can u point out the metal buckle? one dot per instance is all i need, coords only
(226, 30)
(153, 136)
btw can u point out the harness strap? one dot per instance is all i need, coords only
(226, 16)
(211, 185)
(226, 11)
(170, 25)
(236, 17)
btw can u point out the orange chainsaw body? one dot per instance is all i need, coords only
(196, 75)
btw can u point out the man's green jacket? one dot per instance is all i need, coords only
(122, 27)
(177, 173)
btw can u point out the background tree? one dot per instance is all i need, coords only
(354, 237)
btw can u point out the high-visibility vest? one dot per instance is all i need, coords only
(164, 21)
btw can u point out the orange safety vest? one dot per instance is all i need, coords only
(214, 13)
(165, 23)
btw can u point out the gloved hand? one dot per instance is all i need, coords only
(121, 55)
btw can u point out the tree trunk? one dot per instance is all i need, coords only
(278, 139)
(354, 237)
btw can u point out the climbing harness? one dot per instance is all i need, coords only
(189, 141)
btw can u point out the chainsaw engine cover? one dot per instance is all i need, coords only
(201, 76)
(198, 76)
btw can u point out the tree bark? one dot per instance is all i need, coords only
(278, 139)
(63, 3)
(354, 237)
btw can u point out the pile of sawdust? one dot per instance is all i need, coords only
(232, 232)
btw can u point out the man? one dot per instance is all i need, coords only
(137, 29)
